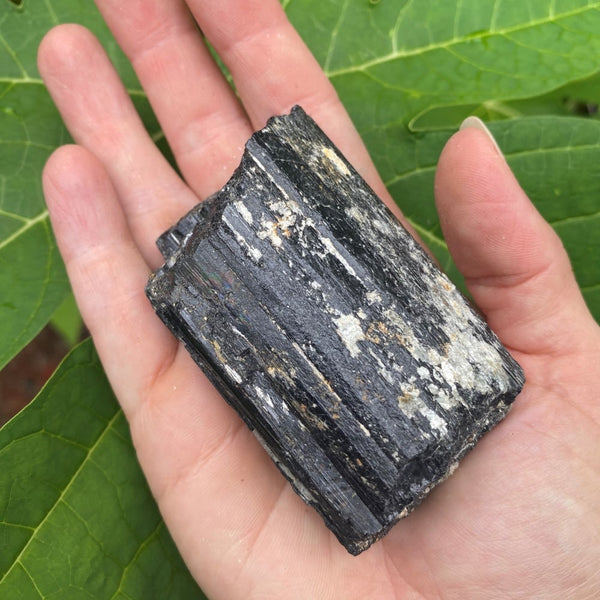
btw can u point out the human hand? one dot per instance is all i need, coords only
(517, 520)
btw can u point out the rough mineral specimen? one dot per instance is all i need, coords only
(361, 369)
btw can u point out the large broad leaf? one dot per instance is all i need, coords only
(407, 70)
(578, 98)
(554, 159)
(392, 60)
(424, 64)
(32, 278)
(77, 519)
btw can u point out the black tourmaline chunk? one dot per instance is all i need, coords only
(362, 370)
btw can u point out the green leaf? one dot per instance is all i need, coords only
(408, 70)
(32, 277)
(555, 160)
(424, 53)
(579, 98)
(67, 320)
(77, 519)
(427, 63)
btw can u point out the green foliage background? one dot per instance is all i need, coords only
(76, 518)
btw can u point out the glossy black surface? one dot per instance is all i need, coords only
(361, 369)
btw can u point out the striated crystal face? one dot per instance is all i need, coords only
(361, 369)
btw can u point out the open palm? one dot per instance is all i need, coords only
(520, 517)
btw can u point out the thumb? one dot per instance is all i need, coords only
(513, 262)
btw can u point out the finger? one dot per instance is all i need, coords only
(100, 116)
(273, 69)
(202, 119)
(209, 474)
(513, 262)
(106, 271)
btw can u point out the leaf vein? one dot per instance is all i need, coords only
(50, 434)
(508, 155)
(537, 49)
(457, 13)
(17, 526)
(33, 583)
(494, 16)
(574, 219)
(13, 215)
(86, 458)
(153, 534)
(13, 55)
(7, 89)
(29, 223)
(590, 288)
(26, 144)
(51, 12)
(486, 68)
(27, 80)
(445, 44)
(334, 34)
(395, 29)
(86, 526)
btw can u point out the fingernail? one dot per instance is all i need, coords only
(477, 123)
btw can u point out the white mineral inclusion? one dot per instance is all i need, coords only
(435, 421)
(382, 227)
(355, 213)
(336, 160)
(263, 396)
(252, 251)
(331, 249)
(269, 230)
(233, 374)
(288, 211)
(412, 403)
(423, 373)
(244, 212)
(365, 430)
(350, 332)
(373, 296)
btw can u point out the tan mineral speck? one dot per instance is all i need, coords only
(339, 164)
(350, 331)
